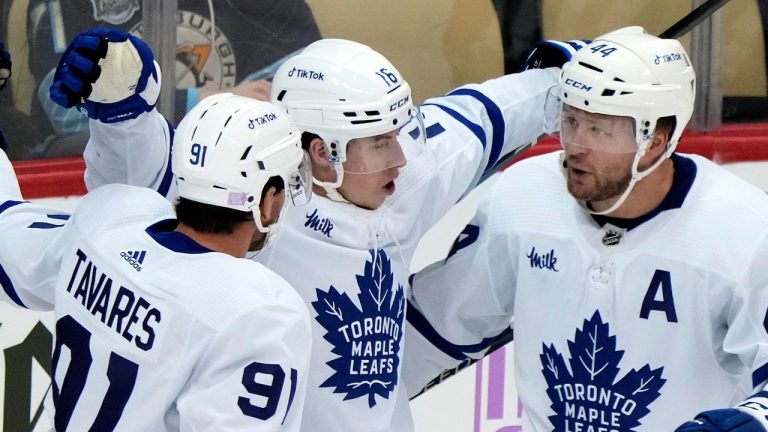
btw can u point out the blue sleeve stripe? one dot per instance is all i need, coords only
(59, 216)
(8, 204)
(435, 130)
(417, 320)
(760, 375)
(44, 225)
(497, 121)
(420, 323)
(475, 128)
(10, 291)
(165, 184)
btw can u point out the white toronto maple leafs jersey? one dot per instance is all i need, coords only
(351, 265)
(155, 332)
(635, 325)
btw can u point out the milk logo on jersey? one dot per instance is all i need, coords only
(587, 396)
(134, 258)
(198, 63)
(366, 339)
(543, 260)
(115, 12)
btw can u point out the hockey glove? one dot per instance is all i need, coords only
(552, 53)
(5, 66)
(108, 74)
(722, 420)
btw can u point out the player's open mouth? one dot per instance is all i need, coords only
(577, 172)
(390, 187)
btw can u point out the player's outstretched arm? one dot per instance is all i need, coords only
(472, 128)
(458, 307)
(111, 77)
(31, 254)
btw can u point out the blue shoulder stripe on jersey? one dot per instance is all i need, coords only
(474, 128)
(165, 184)
(420, 323)
(760, 375)
(10, 291)
(435, 130)
(163, 233)
(8, 204)
(497, 121)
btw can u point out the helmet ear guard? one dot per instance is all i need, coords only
(228, 147)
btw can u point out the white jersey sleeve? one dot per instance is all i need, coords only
(260, 384)
(134, 152)
(450, 322)
(469, 131)
(31, 254)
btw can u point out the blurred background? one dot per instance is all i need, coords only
(436, 44)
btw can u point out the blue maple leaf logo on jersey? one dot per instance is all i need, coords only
(588, 396)
(367, 339)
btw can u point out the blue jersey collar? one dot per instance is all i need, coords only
(163, 233)
(685, 174)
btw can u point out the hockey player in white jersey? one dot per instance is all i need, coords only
(161, 322)
(636, 276)
(385, 171)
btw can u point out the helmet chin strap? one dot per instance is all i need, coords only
(636, 177)
(331, 188)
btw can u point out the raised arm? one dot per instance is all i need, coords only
(112, 77)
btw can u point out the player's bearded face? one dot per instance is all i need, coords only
(597, 177)
(599, 152)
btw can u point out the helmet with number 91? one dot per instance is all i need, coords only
(341, 91)
(228, 147)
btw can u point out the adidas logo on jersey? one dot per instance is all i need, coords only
(135, 259)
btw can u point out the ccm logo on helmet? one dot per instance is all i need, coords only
(579, 85)
(399, 103)
(301, 73)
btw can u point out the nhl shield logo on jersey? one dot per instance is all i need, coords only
(366, 339)
(587, 396)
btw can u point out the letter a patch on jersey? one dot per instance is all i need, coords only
(367, 339)
(587, 396)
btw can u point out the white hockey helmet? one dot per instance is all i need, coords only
(630, 73)
(342, 90)
(227, 148)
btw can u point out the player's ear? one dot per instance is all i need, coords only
(659, 143)
(321, 167)
(271, 204)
